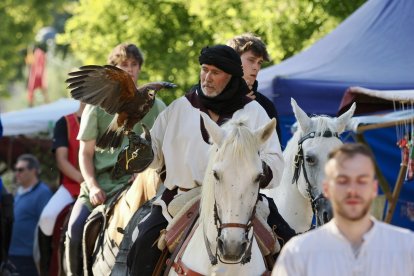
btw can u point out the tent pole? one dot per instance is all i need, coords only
(385, 187)
(397, 189)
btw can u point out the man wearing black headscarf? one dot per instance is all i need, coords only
(180, 142)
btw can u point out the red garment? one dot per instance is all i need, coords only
(72, 123)
(36, 75)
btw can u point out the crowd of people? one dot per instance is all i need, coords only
(352, 243)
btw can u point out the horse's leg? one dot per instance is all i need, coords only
(143, 256)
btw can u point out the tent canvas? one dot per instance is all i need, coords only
(41, 118)
(372, 48)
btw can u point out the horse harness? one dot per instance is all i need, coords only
(220, 226)
(175, 260)
(300, 164)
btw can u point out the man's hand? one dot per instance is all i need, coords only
(96, 195)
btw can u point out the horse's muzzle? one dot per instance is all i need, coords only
(323, 211)
(232, 250)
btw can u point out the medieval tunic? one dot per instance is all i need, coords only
(386, 250)
(178, 143)
(93, 125)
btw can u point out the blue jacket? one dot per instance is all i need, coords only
(27, 209)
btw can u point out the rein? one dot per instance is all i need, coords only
(300, 165)
(220, 226)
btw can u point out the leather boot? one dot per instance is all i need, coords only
(45, 250)
(73, 257)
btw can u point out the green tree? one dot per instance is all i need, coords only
(171, 33)
(169, 36)
(20, 21)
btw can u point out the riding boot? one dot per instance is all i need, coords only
(278, 223)
(45, 249)
(73, 258)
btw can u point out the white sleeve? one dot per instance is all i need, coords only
(271, 152)
(157, 138)
(288, 264)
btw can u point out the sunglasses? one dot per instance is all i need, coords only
(19, 170)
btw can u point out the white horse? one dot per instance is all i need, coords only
(223, 242)
(299, 195)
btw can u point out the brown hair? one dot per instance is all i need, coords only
(125, 51)
(249, 42)
(349, 150)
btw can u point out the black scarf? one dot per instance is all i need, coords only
(230, 100)
(254, 87)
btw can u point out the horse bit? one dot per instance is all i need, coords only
(300, 164)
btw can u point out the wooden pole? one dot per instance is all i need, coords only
(397, 189)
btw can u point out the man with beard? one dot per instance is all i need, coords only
(181, 144)
(353, 242)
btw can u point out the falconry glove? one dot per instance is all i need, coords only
(136, 156)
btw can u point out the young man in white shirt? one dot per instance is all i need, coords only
(353, 242)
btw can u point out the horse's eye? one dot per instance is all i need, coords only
(310, 160)
(215, 175)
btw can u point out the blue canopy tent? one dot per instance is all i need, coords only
(372, 48)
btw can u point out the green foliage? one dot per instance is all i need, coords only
(20, 21)
(169, 36)
(171, 33)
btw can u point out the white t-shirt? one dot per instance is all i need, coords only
(386, 251)
(177, 141)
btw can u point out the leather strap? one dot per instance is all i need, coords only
(160, 263)
(234, 225)
(181, 269)
(170, 261)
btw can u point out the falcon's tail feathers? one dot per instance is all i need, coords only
(113, 136)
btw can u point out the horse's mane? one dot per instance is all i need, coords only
(239, 145)
(320, 123)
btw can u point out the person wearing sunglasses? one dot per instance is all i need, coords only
(31, 197)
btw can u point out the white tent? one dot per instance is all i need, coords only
(37, 119)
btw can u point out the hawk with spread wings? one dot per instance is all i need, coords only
(114, 91)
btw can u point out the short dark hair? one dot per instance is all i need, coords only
(32, 161)
(349, 150)
(248, 41)
(125, 51)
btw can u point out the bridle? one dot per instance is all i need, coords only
(220, 226)
(300, 165)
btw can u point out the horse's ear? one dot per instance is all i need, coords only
(344, 118)
(215, 132)
(264, 132)
(303, 120)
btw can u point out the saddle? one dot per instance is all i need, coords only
(93, 233)
(173, 235)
